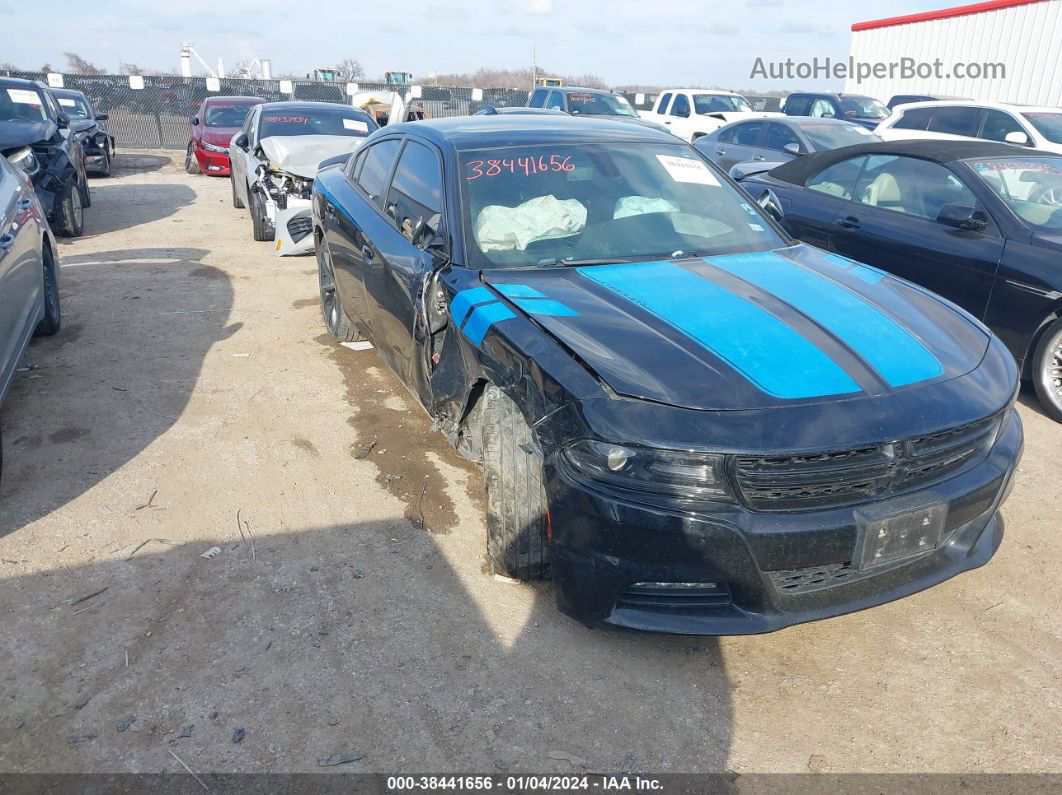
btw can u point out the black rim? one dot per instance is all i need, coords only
(329, 299)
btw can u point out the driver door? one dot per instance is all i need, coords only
(240, 159)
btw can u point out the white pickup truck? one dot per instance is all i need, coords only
(692, 112)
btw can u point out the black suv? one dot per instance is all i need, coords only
(856, 108)
(35, 136)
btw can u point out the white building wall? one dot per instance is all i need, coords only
(1025, 38)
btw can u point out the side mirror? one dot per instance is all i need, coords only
(242, 141)
(962, 216)
(792, 149)
(771, 204)
(195, 121)
(1017, 137)
(62, 121)
(102, 116)
(683, 112)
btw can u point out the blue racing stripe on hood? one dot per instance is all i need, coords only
(755, 343)
(893, 351)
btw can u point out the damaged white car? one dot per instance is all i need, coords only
(274, 159)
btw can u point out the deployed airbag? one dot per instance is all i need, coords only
(640, 205)
(500, 228)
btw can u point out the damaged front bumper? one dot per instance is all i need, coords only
(294, 227)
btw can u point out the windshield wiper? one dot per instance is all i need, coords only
(554, 261)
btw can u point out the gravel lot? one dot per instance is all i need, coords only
(349, 610)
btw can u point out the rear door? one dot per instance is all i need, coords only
(745, 141)
(892, 225)
(239, 159)
(21, 271)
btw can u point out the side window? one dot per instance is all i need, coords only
(956, 121)
(839, 179)
(797, 106)
(912, 186)
(747, 134)
(376, 167)
(416, 189)
(997, 124)
(778, 136)
(914, 119)
(664, 100)
(53, 107)
(556, 101)
(248, 123)
(681, 106)
(355, 163)
(725, 135)
(538, 98)
(822, 108)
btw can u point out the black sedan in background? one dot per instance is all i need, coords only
(978, 223)
(779, 140)
(693, 422)
(87, 126)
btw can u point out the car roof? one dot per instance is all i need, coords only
(18, 82)
(69, 92)
(475, 132)
(239, 100)
(974, 103)
(803, 168)
(306, 105)
(580, 89)
(798, 120)
(719, 91)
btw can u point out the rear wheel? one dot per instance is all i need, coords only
(191, 165)
(339, 326)
(517, 541)
(1047, 375)
(52, 319)
(262, 226)
(237, 202)
(71, 220)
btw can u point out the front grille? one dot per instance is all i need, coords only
(797, 581)
(848, 477)
(659, 597)
(299, 227)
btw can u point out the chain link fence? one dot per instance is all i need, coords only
(157, 115)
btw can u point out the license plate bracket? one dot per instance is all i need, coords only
(894, 531)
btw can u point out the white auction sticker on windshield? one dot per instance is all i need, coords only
(24, 97)
(682, 169)
(354, 124)
(66, 103)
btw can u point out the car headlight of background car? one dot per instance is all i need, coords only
(673, 473)
(214, 148)
(26, 160)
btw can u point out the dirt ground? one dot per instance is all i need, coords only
(192, 401)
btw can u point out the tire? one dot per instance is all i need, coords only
(191, 165)
(237, 202)
(1047, 371)
(262, 227)
(517, 542)
(53, 314)
(339, 326)
(71, 217)
(83, 188)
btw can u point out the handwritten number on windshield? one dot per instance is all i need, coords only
(527, 166)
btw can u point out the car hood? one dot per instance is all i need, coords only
(15, 134)
(82, 125)
(219, 136)
(748, 331)
(301, 154)
(740, 115)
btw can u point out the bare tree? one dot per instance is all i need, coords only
(133, 69)
(77, 65)
(350, 69)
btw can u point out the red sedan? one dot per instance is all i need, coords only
(219, 119)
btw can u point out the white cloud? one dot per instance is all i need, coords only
(537, 6)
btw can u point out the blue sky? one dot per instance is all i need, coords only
(623, 41)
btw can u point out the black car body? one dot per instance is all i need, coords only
(88, 126)
(700, 441)
(855, 108)
(589, 103)
(953, 216)
(35, 131)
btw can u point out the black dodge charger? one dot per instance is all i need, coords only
(691, 421)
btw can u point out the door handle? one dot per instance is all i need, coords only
(720, 151)
(367, 254)
(848, 222)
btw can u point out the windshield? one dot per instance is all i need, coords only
(834, 136)
(863, 108)
(21, 104)
(720, 103)
(316, 121)
(1030, 186)
(1049, 125)
(226, 115)
(75, 107)
(601, 202)
(589, 104)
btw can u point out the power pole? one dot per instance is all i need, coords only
(534, 69)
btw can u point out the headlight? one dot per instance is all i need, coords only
(25, 160)
(212, 148)
(698, 476)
